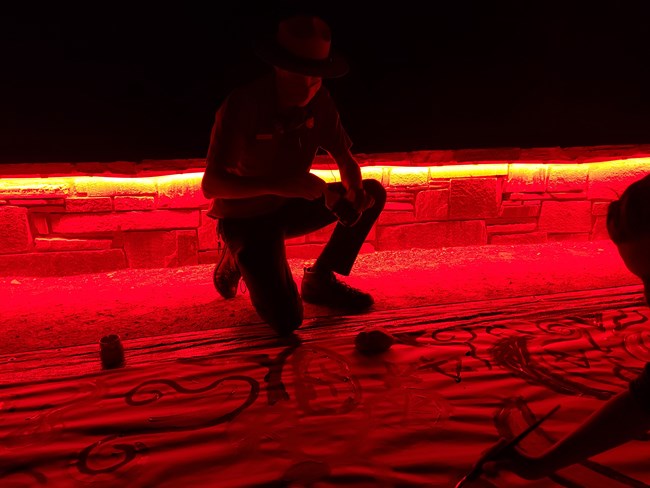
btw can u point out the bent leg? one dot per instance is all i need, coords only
(319, 284)
(344, 245)
(301, 217)
(258, 249)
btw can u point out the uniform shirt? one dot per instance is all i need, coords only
(251, 138)
(640, 387)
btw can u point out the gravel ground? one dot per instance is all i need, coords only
(54, 312)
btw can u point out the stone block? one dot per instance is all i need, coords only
(39, 223)
(367, 248)
(524, 197)
(399, 217)
(187, 246)
(37, 202)
(207, 232)
(600, 209)
(568, 237)
(468, 171)
(393, 196)
(565, 217)
(567, 177)
(88, 204)
(568, 196)
(512, 228)
(161, 249)
(408, 176)
(50, 244)
(526, 178)
(155, 249)
(181, 191)
(432, 205)
(61, 263)
(208, 257)
(430, 235)
(129, 204)
(35, 188)
(126, 221)
(523, 238)
(372, 235)
(15, 234)
(101, 186)
(514, 210)
(474, 198)
(399, 207)
(599, 229)
(397, 213)
(373, 173)
(511, 221)
(292, 241)
(608, 180)
(45, 209)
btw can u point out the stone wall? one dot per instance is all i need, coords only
(96, 218)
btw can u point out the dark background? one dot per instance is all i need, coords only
(100, 81)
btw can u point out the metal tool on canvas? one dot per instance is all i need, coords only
(477, 469)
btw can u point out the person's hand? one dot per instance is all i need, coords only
(512, 459)
(331, 197)
(360, 199)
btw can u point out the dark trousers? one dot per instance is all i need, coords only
(257, 245)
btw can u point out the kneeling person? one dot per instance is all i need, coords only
(263, 143)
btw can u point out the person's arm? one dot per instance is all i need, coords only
(221, 184)
(349, 170)
(352, 180)
(227, 145)
(621, 419)
(337, 143)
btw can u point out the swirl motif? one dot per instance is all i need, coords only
(455, 338)
(127, 452)
(29, 477)
(567, 328)
(142, 395)
(154, 395)
(624, 320)
(637, 344)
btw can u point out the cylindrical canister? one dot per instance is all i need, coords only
(111, 351)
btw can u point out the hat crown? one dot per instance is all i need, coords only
(306, 37)
(302, 44)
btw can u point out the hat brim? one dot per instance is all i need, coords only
(271, 52)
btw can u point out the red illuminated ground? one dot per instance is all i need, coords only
(43, 313)
(487, 339)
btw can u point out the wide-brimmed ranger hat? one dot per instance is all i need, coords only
(302, 44)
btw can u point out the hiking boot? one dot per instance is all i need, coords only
(226, 275)
(326, 289)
